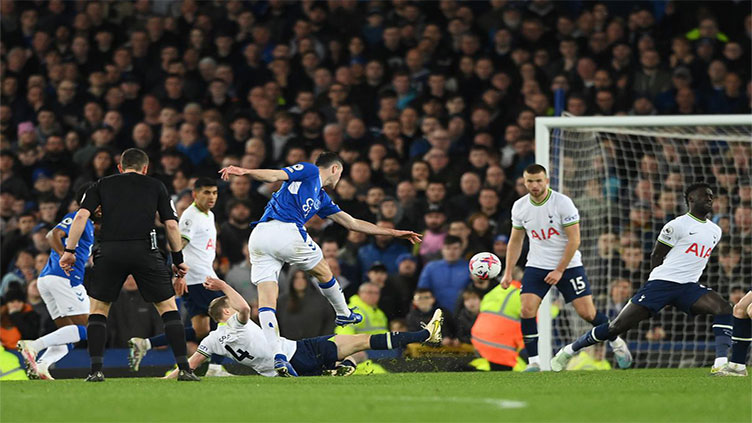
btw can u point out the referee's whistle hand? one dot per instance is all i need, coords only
(180, 270)
(180, 287)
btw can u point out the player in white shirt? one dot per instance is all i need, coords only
(242, 340)
(552, 224)
(199, 235)
(741, 338)
(678, 260)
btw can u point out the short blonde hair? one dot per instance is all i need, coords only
(216, 307)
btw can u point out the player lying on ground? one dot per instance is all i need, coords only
(552, 223)
(64, 296)
(678, 260)
(741, 338)
(280, 237)
(243, 341)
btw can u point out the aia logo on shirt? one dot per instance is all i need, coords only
(210, 244)
(543, 235)
(699, 250)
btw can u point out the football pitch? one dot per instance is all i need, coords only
(677, 395)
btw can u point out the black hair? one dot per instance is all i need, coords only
(133, 158)
(327, 159)
(204, 182)
(535, 168)
(695, 186)
(451, 239)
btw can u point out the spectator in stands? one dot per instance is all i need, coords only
(620, 291)
(374, 319)
(467, 314)
(633, 265)
(131, 316)
(384, 249)
(433, 238)
(447, 277)
(424, 305)
(19, 320)
(302, 311)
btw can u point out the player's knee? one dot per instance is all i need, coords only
(528, 310)
(742, 312)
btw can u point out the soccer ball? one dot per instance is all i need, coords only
(485, 266)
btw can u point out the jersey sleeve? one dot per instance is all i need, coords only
(92, 198)
(165, 206)
(64, 224)
(301, 171)
(186, 225)
(209, 346)
(569, 213)
(328, 207)
(670, 234)
(516, 217)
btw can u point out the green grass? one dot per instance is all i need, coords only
(685, 395)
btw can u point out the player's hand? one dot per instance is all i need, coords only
(506, 281)
(181, 288)
(553, 277)
(231, 170)
(214, 284)
(180, 270)
(408, 235)
(67, 260)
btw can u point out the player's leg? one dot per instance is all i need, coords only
(173, 327)
(629, 317)
(58, 344)
(96, 331)
(710, 302)
(586, 309)
(534, 288)
(741, 338)
(333, 292)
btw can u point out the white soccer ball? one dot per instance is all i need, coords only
(485, 266)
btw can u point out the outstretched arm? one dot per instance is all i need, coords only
(195, 361)
(358, 225)
(264, 175)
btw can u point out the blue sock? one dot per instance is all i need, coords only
(388, 341)
(601, 318)
(161, 340)
(722, 328)
(81, 334)
(741, 337)
(594, 336)
(530, 335)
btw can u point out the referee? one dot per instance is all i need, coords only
(129, 203)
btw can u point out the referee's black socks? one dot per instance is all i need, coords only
(97, 334)
(175, 333)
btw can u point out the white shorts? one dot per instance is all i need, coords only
(62, 299)
(275, 243)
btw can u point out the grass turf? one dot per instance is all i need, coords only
(677, 395)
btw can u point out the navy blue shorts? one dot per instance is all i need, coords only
(573, 283)
(656, 294)
(198, 298)
(314, 355)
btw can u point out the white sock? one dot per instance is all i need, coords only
(720, 361)
(53, 354)
(215, 367)
(148, 344)
(63, 336)
(270, 328)
(333, 293)
(534, 360)
(568, 349)
(616, 343)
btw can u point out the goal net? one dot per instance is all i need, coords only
(627, 175)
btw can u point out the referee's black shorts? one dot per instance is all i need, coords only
(122, 258)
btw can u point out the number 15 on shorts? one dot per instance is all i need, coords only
(578, 285)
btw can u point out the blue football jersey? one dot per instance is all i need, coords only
(300, 198)
(83, 251)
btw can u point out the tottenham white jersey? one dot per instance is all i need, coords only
(691, 241)
(198, 228)
(544, 223)
(245, 343)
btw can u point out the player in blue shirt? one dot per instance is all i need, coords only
(65, 297)
(280, 237)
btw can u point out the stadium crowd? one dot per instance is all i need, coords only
(430, 104)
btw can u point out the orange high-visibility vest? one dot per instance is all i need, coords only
(497, 334)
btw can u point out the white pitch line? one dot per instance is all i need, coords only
(496, 402)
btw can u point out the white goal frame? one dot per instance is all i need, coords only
(543, 127)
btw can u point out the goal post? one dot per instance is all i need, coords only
(625, 175)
